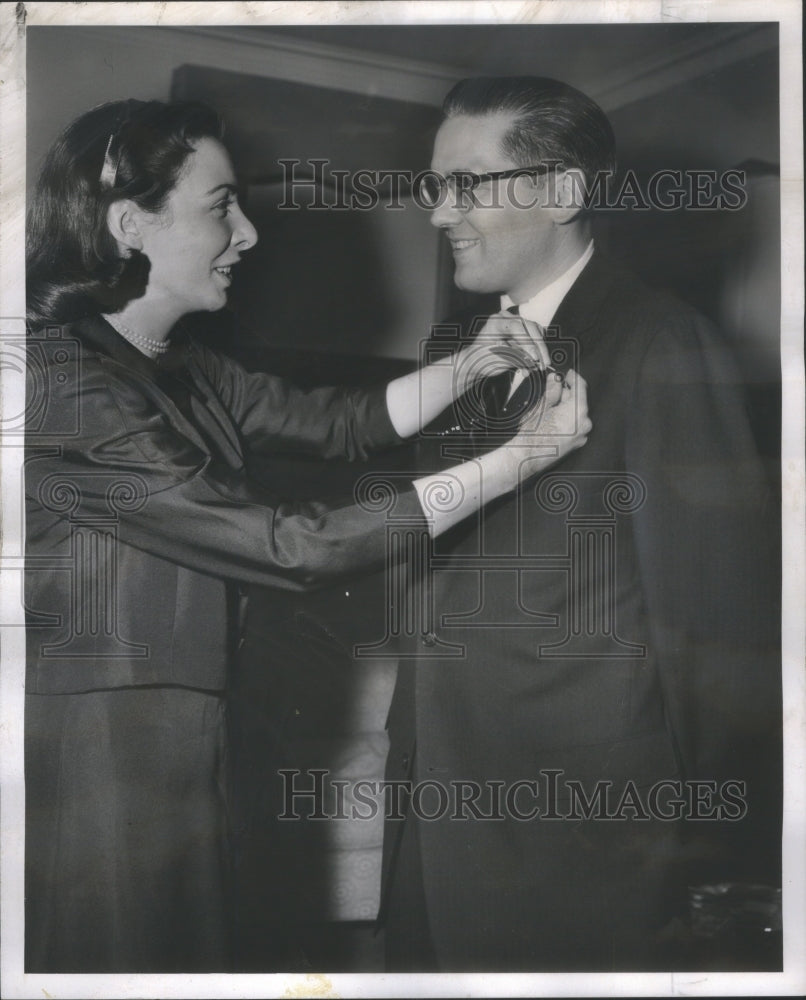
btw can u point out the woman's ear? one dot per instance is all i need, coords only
(124, 219)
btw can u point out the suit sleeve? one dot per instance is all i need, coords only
(183, 506)
(707, 539)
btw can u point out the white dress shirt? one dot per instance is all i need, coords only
(542, 307)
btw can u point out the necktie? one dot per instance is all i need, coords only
(502, 407)
(528, 390)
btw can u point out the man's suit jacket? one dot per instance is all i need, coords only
(627, 632)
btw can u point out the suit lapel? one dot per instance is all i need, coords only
(581, 307)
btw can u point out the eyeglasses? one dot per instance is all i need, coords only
(433, 188)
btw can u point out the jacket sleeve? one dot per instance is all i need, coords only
(274, 415)
(179, 503)
(707, 539)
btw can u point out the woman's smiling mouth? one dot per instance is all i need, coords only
(225, 273)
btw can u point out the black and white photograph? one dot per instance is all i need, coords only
(403, 499)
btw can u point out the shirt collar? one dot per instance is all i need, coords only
(542, 307)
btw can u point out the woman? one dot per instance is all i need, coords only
(142, 517)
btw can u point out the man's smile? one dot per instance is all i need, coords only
(458, 245)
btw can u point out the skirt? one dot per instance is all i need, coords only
(127, 859)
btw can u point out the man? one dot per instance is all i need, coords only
(590, 723)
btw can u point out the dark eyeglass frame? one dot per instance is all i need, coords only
(466, 181)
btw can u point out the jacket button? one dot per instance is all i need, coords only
(404, 760)
(429, 639)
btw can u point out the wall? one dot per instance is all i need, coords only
(71, 69)
(726, 263)
(340, 282)
(690, 98)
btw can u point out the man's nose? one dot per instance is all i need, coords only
(447, 213)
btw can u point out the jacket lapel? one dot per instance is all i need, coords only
(211, 425)
(581, 307)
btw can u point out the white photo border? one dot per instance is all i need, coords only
(14, 21)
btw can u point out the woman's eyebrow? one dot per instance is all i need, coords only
(218, 187)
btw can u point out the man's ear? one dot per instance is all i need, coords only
(569, 195)
(125, 220)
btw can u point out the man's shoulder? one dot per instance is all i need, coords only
(610, 283)
(610, 299)
(652, 332)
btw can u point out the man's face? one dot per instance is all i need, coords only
(498, 245)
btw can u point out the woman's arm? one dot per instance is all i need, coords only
(506, 342)
(557, 425)
(274, 415)
(182, 505)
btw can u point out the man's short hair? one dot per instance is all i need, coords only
(552, 121)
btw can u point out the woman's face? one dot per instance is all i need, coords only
(200, 234)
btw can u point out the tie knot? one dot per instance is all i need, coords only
(514, 310)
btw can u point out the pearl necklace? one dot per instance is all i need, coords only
(138, 339)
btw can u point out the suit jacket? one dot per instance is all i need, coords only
(615, 621)
(140, 512)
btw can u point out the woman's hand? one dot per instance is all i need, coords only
(556, 425)
(505, 343)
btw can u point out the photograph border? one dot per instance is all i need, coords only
(13, 26)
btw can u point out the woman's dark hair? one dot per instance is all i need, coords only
(552, 121)
(124, 149)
